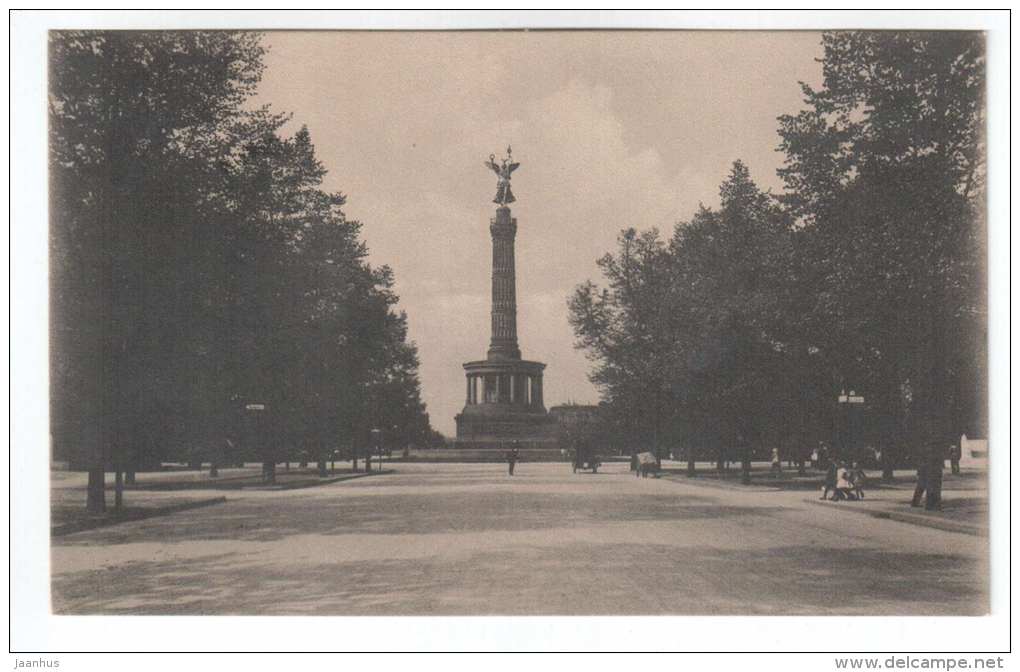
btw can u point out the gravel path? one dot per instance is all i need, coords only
(468, 539)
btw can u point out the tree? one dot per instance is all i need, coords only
(322, 335)
(624, 328)
(136, 123)
(692, 339)
(199, 265)
(735, 348)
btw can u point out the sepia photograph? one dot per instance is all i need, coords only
(499, 321)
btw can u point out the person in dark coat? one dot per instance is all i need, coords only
(830, 480)
(922, 483)
(511, 459)
(933, 484)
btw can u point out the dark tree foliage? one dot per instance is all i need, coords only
(885, 169)
(625, 329)
(197, 265)
(866, 274)
(689, 337)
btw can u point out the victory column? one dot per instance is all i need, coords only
(504, 404)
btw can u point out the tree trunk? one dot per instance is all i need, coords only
(118, 489)
(269, 472)
(887, 464)
(937, 409)
(96, 499)
(129, 477)
(322, 468)
(933, 494)
(893, 448)
(745, 462)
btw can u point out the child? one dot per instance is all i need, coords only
(843, 484)
(857, 479)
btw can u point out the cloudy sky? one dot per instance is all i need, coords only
(612, 129)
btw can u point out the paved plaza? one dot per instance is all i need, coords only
(459, 539)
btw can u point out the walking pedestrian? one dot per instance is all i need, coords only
(922, 483)
(954, 458)
(830, 480)
(511, 459)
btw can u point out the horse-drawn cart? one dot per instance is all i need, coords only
(646, 464)
(585, 458)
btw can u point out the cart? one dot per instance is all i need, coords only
(646, 464)
(585, 458)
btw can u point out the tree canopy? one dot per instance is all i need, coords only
(866, 273)
(198, 264)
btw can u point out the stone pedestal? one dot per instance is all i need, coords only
(504, 404)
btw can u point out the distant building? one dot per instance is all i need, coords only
(575, 415)
(584, 423)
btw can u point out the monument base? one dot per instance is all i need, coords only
(504, 407)
(502, 426)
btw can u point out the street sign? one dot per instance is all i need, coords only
(255, 407)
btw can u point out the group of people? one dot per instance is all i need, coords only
(844, 481)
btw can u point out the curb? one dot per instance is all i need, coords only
(914, 519)
(137, 514)
(174, 486)
(237, 483)
(720, 485)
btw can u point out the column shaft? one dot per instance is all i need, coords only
(504, 287)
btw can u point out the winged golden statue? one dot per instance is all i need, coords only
(503, 171)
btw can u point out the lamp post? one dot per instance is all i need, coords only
(849, 402)
(745, 458)
(376, 434)
(256, 434)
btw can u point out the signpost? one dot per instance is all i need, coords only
(255, 424)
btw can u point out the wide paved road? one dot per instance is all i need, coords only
(467, 539)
